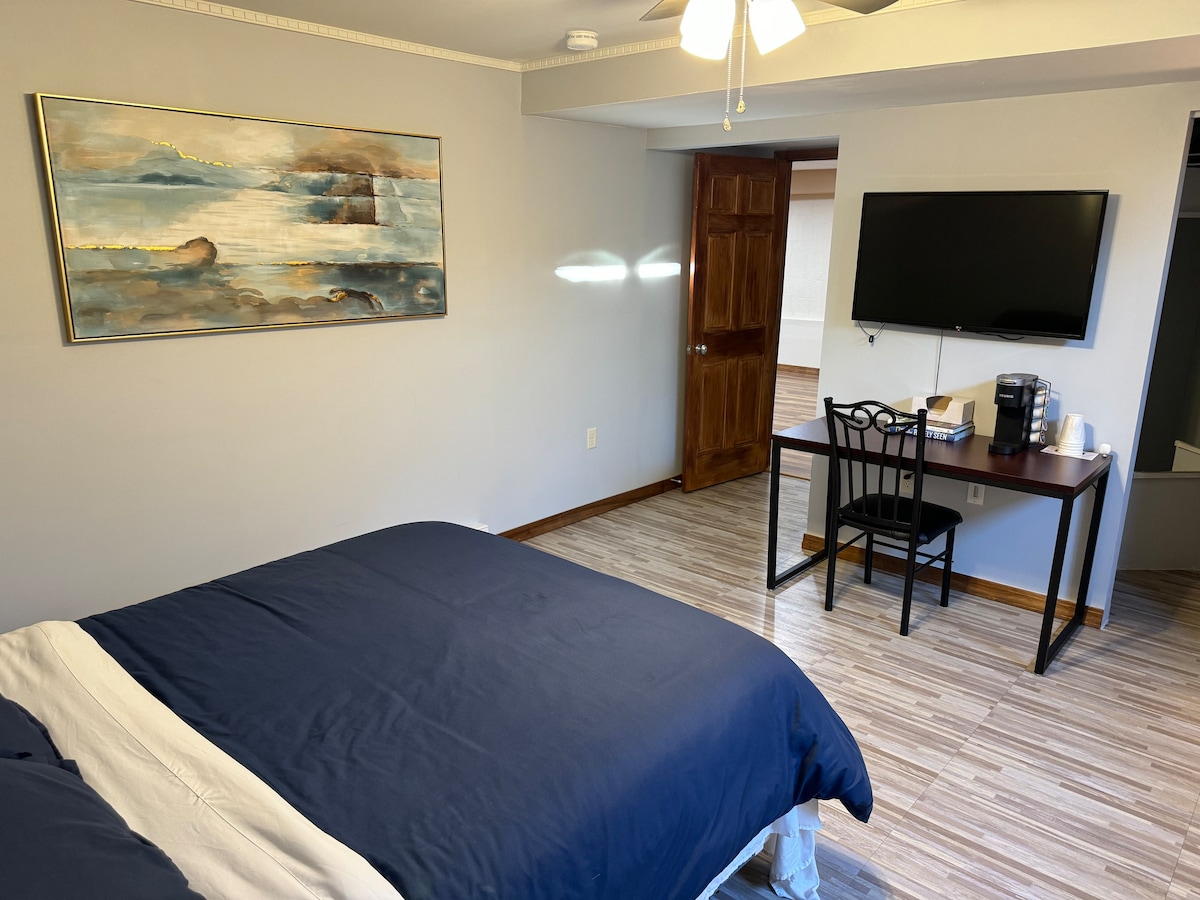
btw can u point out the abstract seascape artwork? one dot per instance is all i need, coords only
(172, 221)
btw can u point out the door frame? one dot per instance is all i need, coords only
(790, 154)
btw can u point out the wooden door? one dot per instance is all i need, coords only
(739, 224)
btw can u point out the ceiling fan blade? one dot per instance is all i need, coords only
(860, 6)
(667, 9)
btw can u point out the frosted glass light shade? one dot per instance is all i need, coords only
(773, 23)
(707, 27)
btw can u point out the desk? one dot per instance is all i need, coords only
(969, 460)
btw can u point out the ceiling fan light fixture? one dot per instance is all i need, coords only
(707, 27)
(773, 23)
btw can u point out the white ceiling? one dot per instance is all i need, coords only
(514, 30)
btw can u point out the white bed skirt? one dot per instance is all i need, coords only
(791, 842)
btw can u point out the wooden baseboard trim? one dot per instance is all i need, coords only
(968, 584)
(798, 370)
(571, 516)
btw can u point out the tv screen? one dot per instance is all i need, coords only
(1003, 262)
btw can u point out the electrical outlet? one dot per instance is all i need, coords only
(906, 484)
(591, 438)
(975, 494)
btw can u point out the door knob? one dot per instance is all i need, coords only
(702, 349)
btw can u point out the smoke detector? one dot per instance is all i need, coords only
(578, 39)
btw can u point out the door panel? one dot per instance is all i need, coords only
(730, 403)
(739, 223)
(745, 420)
(723, 194)
(754, 307)
(760, 198)
(718, 290)
(713, 384)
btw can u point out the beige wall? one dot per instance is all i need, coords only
(813, 182)
(131, 468)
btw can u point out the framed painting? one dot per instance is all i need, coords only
(174, 221)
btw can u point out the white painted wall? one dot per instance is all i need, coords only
(1129, 141)
(805, 279)
(131, 468)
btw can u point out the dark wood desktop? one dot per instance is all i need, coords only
(1031, 472)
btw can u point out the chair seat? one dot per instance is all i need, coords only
(866, 511)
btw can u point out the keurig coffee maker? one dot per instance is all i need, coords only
(1014, 412)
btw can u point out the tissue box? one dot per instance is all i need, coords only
(945, 410)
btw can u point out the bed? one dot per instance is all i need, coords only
(427, 712)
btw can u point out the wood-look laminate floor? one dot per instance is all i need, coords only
(990, 781)
(795, 402)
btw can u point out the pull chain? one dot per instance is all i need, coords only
(727, 125)
(741, 104)
(741, 107)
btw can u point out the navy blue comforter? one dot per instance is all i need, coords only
(480, 719)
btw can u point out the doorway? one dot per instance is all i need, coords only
(805, 284)
(718, 445)
(1160, 529)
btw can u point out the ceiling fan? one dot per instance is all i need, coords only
(709, 27)
(668, 9)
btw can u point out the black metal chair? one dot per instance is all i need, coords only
(871, 447)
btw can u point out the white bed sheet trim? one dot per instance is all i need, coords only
(791, 841)
(229, 833)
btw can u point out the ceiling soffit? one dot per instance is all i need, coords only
(870, 64)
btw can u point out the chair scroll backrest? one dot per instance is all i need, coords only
(871, 445)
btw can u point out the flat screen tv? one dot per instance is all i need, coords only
(1000, 262)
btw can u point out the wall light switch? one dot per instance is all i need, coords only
(591, 438)
(975, 494)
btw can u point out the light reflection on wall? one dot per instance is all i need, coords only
(578, 274)
(659, 270)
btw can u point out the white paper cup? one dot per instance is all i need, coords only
(1070, 436)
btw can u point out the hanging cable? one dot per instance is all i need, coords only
(870, 335)
(937, 364)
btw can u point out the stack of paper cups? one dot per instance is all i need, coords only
(1070, 437)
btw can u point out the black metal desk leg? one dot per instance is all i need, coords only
(774, 577)
(1089, 552)
(1056, 570)
(773, 518)
(1085, 575)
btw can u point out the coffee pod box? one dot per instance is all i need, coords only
(944, 409)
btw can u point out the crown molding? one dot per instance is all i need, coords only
(233, 13)
(570, 59)
(236, 14)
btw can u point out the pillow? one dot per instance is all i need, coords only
(22, 736)
(59, 838)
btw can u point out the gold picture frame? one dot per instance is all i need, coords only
(174, 221)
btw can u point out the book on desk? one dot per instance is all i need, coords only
(945, 431)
